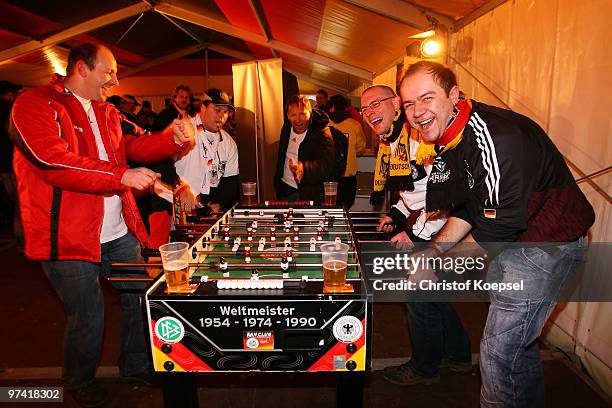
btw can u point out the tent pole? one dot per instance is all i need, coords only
(206, 67)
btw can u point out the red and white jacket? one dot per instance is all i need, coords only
(62, 181)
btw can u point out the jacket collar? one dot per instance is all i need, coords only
(57, 83)
(318, 120)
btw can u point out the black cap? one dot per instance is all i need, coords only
(339, 102)
(8, 86)
(115, 100)
(130, 98)
(218, 97)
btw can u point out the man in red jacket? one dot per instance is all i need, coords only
(78, 211)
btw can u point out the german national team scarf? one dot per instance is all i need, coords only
(451, 136)
(447, 186)
(393, 168)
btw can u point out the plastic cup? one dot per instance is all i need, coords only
(330, 188)
(249, 193)
(175, 259)
(334, 257)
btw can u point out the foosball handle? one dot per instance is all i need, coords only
(149, 252)
(279, 203)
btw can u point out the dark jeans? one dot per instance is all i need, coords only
(436, 332)
(347, 189)
(78, 286)
(287, 193)
(510, 366)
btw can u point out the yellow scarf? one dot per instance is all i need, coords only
(394, 166)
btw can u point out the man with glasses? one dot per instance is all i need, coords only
(438, 338)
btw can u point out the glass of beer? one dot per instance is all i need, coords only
(334, 256)
(249, 193)
(330, 188)
(175, 259)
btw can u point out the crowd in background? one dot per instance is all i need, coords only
(140, 118)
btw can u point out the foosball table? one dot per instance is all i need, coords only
(256, 300)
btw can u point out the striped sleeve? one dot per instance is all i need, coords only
(502, 180)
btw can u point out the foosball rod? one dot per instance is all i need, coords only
(280, 243)
(216, 265)
(273, 219)
(280, 233)
(193, 226)
(271, 254)
(278, 224)
(129, 279)
(301, 213)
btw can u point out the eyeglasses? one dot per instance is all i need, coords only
(374, 105)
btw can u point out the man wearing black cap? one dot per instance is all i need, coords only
(8, 93)
(131, 103)
(146, 117)
(209, 171)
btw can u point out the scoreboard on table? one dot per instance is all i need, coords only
(257, 300)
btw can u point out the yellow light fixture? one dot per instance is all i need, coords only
(431, 48)
(424, 34)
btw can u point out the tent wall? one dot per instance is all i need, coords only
(258, 90)
(550, 60)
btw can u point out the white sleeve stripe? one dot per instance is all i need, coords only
(25, 142)
(489, 157)
(493, 152)
(486, 159)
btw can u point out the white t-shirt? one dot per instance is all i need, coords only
(213, 156)
(295, 140)
(426, 225)
(113, 225)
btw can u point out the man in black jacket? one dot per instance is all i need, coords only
(504, 181)
(305, 153)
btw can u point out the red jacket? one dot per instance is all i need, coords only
(62, 181)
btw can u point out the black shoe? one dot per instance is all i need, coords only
(90, 396)
(144, 379)
(465, 367)
(405, 375)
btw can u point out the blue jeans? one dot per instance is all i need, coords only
(78, 286)
(436, 332)
(510, 366)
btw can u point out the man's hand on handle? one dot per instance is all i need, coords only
(188, 201)
(385, 224)
(402, 241)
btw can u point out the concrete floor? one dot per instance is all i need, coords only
(31, 344)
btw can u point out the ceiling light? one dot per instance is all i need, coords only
(431, 48)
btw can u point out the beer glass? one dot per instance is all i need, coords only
(334, 256)
(249, 193)
(175, 259)
(330, 189)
